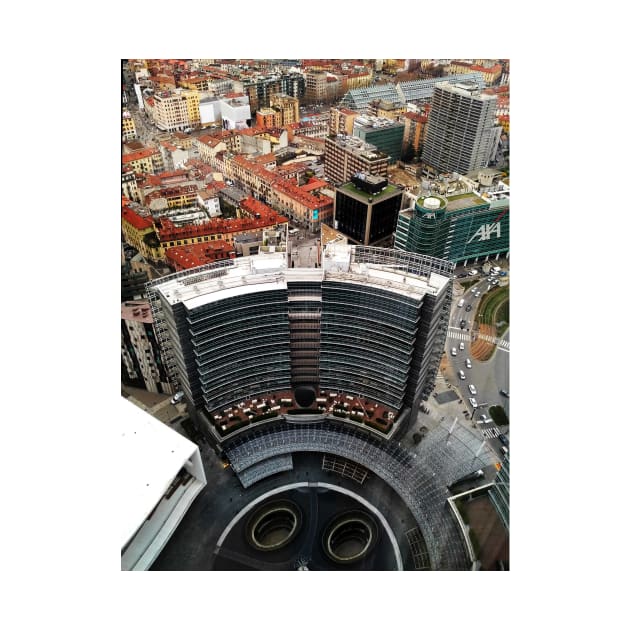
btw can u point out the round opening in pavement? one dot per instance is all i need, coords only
(304, 395)
(350, 537)
(273, 525)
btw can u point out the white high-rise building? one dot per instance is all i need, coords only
(461, 132)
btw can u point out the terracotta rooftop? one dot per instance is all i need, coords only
(190, 256)
(131, 217)
(138, 155)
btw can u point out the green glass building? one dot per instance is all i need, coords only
(460, 228)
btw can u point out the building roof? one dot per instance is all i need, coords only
(137, 311)
(140, 223)
(150, 456)
(138, 155)
(191, 256)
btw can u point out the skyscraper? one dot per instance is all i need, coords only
(461, 133)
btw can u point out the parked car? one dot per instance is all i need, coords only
(504, 393)
(473, 403)
(454, 352)
(473, 389)
(469, 308)
(473, 272)
(177, 398)
(462, 375)
(503, 439)
(468, 363)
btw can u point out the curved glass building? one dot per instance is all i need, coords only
(370, 322)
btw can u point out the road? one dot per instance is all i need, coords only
(488, 377)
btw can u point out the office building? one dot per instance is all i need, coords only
(459, 228)
(366, 209)
(369, 322)
(344, 156)
(385, 134)
(461, 132)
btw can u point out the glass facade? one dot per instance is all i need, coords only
(368, 323)
(463, 228)
(367, 341)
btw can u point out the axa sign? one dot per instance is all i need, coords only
(486, 231)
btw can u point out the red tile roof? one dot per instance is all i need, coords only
(138, 155)
(190, 256)
(131, 217)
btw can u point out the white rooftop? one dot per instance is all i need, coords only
(150, 456)
(269, 271)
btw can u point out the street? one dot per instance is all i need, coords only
(488, 377)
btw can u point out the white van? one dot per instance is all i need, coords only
(460, 303)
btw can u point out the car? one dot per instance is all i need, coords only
(485, 418)
(473, 389)
(503, 439)
(462, 324)
(473, 272)
(468, 363)
(462, 375)
(504, 450)
(177, 398)
(461, 345)
(495, 282)
(473, 403)
(469, 308)
(454, 352)
(504, 393)
(503, 273)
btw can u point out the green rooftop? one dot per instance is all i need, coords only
(351, 188)
(465, 200)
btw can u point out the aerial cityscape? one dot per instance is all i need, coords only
(315, 314)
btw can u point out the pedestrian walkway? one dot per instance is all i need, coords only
(458, 334)
(497, 341)
(490, 433)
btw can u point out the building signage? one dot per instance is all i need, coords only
(486, 231)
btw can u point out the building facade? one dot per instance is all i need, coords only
(385, 134)
(459, 228)
(141, 360)
(128, 127)
(461, 132)
(344, 156)
(370, 322)
(366, 209)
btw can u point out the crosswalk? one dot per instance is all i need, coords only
(502, 343)
(455, 333)
(490, 433)
(458, 334)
